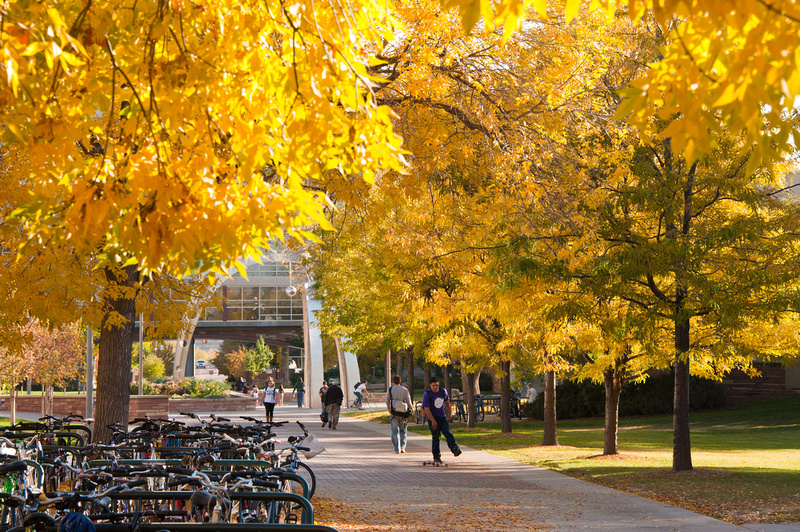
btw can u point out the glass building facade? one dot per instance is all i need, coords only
(251, 300)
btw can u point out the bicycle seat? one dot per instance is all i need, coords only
(203, 499)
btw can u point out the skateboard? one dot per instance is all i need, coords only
(435, 464)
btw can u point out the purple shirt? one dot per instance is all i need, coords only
(435, 401)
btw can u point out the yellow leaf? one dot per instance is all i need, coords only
(34, 48)
(240, 268)
(728, 96)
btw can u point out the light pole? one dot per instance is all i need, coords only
(89, 372)
(141, 352)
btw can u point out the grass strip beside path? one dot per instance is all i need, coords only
(746, 459)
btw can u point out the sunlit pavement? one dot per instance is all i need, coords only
(360, 468)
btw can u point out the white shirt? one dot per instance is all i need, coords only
(269, 395)
(361, 388)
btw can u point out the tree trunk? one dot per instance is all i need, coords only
(467, 381)
(388, 368)
(613, 384)
(550, 432)
(114, 353)
(681, 447)
(12, 397)
(399, 363)
(445, 378)
(47, 399)
(284, 372)
(411, 373)
(497, 378)
(505, 397)
(426, 378)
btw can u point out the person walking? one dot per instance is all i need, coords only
(437, 409)
(257, 394)
(333, 403)
(299, 390)
(281, 391)
(269, 400)
(398, 403)
(322, 391)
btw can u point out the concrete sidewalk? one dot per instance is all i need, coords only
(478, 491)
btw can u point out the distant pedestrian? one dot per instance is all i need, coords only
(269, 400)
(398, 402)
(333, 403)
(436, 406)
(280, 391)
(322, 391)
(256, 393)
(299, 390)
(531, 394)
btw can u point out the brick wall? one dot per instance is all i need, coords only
(141, 406)
(229, 404)
(62, 404)
(739, 388)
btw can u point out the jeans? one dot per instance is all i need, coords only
(300, 398)
(358, 398)
(442, 427)
(399, 433)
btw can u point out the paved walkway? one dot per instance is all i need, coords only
(478, 491)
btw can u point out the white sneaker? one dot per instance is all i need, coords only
(403, 451)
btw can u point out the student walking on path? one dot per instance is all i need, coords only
(322, 391)
(436, 406)
(299, 390)
(269, 400)
(333, 404)
(399, 405)
(280, 391)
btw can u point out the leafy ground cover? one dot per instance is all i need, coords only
(746, 459)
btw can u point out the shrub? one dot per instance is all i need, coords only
(183, 388)
(153, 366)
(652, 397)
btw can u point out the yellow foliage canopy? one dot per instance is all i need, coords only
(179, 135)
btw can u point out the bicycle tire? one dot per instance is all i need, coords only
(308, 475)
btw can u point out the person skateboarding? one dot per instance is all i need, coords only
(436, 408)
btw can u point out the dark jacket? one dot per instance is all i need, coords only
(334, 395)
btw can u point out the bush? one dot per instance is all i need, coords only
(652, 397)
(153, 366)
(183, 388)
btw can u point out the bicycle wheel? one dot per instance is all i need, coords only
(479, 415)
(305, 472)
(267, 512)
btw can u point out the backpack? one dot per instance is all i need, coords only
(355, 387)
(406, 413)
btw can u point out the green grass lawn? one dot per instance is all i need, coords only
(746, 459)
